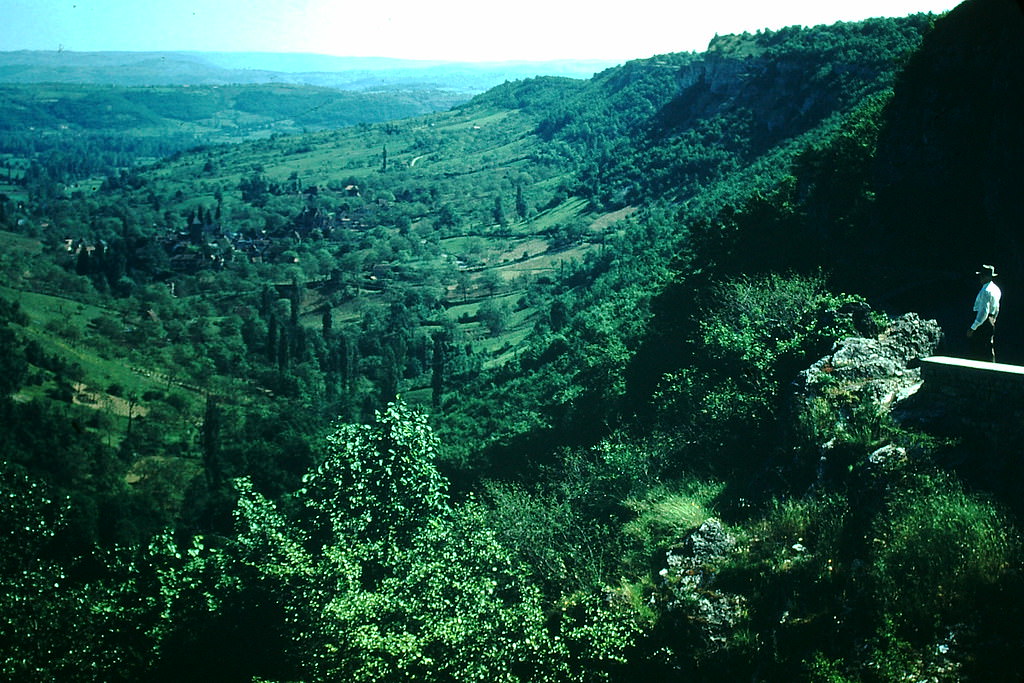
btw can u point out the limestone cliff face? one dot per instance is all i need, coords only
(722, 72)
(787, 81)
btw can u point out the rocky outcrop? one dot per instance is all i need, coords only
(834, 398)
(689, 578)
(897, 373)
(883, 370)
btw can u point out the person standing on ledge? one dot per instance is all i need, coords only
(986, 307)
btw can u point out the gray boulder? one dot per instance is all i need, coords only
(883, 369)
(690, 575)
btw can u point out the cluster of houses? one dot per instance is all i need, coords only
(207, 244)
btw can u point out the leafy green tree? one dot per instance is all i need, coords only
(211, 442)
(42, 592)
(379, 578)
(439, 362)
(521, 206)
(761, 331)
(327, 323)
(498, 215)
(13, 366)
(378, 483)
(476, 617)
(273, 337)
(494, 314)
(748, 339)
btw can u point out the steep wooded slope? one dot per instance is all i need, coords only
(906, 196)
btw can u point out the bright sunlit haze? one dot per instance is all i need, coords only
(453, 30)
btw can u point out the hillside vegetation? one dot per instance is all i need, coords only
(507, 391)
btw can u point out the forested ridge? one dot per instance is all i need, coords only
(515, 391)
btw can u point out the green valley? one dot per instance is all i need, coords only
(540, 385)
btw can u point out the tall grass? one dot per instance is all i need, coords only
(939, 550)
(666, 513)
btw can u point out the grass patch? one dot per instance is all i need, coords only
(565, 212)
(665, 514)
(12, 243)
(941, 551)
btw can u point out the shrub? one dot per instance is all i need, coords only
(379, 481)
(549, 535)
(802, 534)
(939, 550)
(762, 330)
(755, 335)
(567, 528)
(790, 569)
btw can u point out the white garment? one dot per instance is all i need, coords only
(986, 303)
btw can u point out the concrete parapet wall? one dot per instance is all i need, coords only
(973, 382)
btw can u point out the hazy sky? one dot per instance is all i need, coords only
(465, 30)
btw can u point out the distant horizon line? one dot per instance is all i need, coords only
(379, 58)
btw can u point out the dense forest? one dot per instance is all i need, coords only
(535, 388)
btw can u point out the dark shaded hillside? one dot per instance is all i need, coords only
(949, 164)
